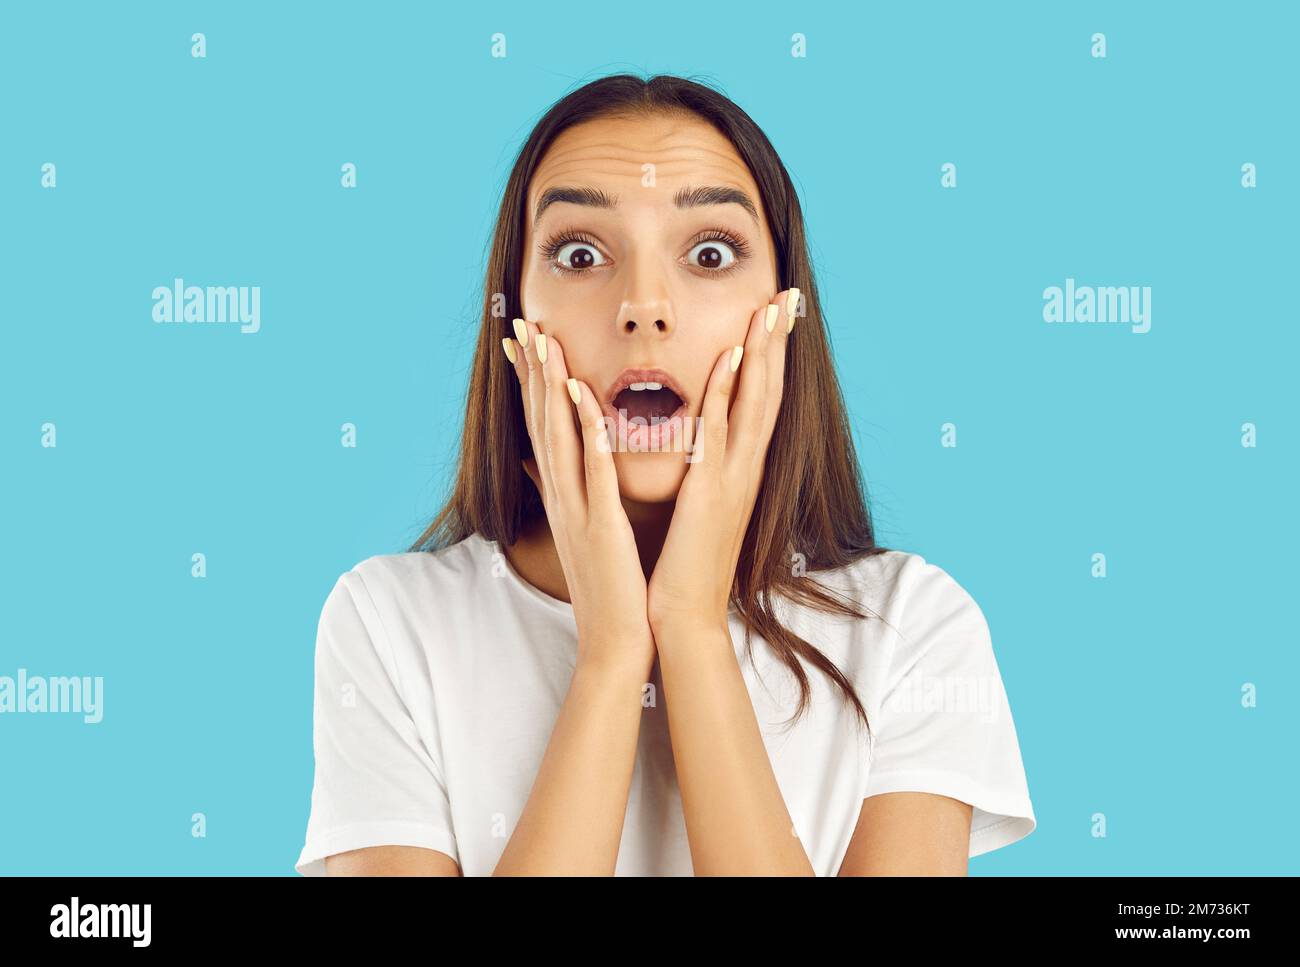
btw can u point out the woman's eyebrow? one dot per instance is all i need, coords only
(684, 198)
(592, 197)
(715, 195)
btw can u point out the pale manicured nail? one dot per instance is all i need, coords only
(508, 345)
(521, 333)
(770, 321)
(791, 306)
(735, 357)
(541, 346)
(575, 393)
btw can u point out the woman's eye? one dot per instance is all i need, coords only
(578, 256)
(712, 254)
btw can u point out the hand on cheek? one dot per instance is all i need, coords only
(692, 580)
(573, 470)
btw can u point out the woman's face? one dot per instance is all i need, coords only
(647, 260)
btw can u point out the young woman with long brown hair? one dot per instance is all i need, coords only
(651, 631)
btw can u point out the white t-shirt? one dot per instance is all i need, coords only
(439, 677)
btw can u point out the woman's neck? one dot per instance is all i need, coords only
(534, 556)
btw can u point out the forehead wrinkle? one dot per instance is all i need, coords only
(687, 152)
(617, 160)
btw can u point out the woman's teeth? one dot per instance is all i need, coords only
(647, 400)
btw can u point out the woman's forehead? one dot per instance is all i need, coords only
(619, 155)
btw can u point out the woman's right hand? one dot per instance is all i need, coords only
(579, 488)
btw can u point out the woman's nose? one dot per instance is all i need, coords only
(645, 324)
(646, 308)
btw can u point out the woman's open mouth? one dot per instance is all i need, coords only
(647, 407)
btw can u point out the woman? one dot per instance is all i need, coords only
(651, 631)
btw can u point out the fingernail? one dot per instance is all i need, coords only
(770, 321)
(735, 357)
(791, 306)
(521, 333)
(574, 393)
(508, 345)
(541, 346)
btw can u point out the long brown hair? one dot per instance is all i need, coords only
(811, 512)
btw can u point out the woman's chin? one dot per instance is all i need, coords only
(650, 478)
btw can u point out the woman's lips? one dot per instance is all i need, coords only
(636, 434)
(656, 434)
(636, 374)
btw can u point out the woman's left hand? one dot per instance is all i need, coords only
(692, 579)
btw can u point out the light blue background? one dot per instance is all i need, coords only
(1072, 440)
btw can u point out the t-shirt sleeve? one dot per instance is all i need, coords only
(376, 781)
(944, 723)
